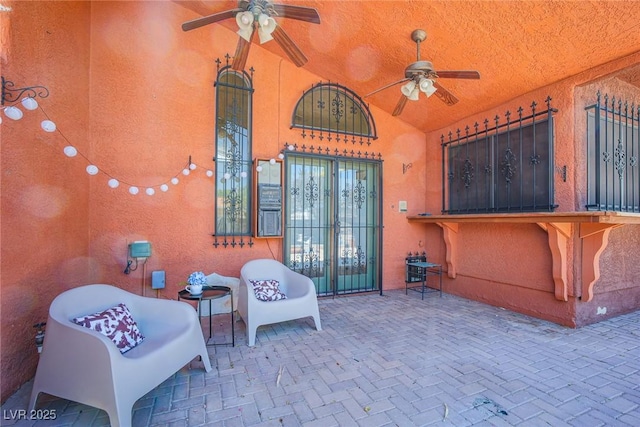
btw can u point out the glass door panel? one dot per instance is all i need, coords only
(332, 222)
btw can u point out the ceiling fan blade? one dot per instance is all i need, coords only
(400, 105)
(289, 47)
(444, 95)
(242, 53)
(458, 74)
(206, 20)
(386, 87)
(301, 13)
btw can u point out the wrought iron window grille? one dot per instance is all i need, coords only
(613, 146)
(233, 156)
(332, 111)
(508, 167)
(335, 152)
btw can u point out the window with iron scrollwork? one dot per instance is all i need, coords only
(334, 112)
(507, 167)
(613, 149)
(234, 93)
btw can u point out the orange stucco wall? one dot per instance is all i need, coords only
(45, 204)
(135, 95)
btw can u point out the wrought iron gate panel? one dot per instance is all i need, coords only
(506, 168)
(333, 226)
(613, 147)
(356, 226)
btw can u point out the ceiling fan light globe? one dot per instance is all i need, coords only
(244, 19)
(425, 83)
(267, 26)
(245, 33)
(426, 86)
(432, 89)
(264, 36)
(245, 23)
(263, 19)
(408, 88)
(414, 95)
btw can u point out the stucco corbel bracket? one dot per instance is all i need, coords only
(595, 238)
(558, 235)
(450, 234)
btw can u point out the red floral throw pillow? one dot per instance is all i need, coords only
(116, 324)
(267, 290)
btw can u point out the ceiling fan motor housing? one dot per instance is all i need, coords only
(421, 68)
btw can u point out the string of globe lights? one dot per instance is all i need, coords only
(29, 103)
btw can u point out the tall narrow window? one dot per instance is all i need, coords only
(234, 93)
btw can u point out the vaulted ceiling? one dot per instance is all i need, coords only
(516, 46)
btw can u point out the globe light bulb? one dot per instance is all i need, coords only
(134, 190)
(243, 174)
(186, 172)
(29, 103)
(192, 166)
(227, 175)
(150, 191)
(209, 173)
(175, 181)
(272, 161)
(70, 151)
(259, 168)
(290, 147)
(113, 183)
(92, 169)
(14, 113)
(48, 126)
(164, 188)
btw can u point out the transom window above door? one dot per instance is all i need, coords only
(332, 111)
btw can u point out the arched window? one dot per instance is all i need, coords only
(234, 93)
(332, 111)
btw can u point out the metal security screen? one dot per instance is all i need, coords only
(506, 168)
(234, 94)
(613, 146)
(333, 222)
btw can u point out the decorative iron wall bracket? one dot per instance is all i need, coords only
(9, 94)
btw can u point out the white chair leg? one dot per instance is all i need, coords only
(251, 335)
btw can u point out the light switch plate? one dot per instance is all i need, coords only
(402, 206)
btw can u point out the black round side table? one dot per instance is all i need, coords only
(209, 293)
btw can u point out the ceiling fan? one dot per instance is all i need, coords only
(421, 77)
(259, 14)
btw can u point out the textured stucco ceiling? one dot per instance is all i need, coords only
(517, 46)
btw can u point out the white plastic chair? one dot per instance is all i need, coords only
(85, 366)
(301, 298)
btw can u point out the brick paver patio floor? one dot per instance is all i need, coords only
(394, 360)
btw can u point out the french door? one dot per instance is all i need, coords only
(333, 224)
